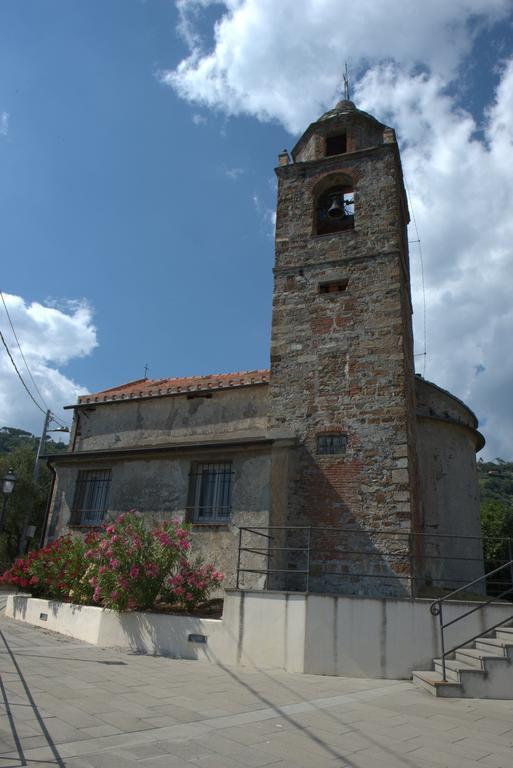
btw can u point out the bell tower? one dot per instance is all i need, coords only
(342, 375)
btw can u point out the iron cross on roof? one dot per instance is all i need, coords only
(346, 84)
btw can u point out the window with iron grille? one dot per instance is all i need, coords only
(331, 444)
(210, 492)
(91, 495)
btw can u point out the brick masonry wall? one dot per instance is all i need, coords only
(343, 362)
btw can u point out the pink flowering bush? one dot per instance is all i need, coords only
(53, 571)
(125, 566)
(192, 584)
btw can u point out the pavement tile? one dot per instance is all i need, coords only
(374, 758)
(106, 708)
(164, 761)
(124, 722)
(438, 758)
(109, 760)
(100, 730)
(495, 725)
(496, 761)
(162, 721)
(252, 757)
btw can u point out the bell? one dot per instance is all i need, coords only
(336, 210)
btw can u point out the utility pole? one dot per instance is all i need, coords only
(26, 529)
(42, 441)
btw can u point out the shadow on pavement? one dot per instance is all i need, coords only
(58, 759)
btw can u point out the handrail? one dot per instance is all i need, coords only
(373, 531)
(436, 609)
(368, 562)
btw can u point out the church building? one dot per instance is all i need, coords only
(337, 470)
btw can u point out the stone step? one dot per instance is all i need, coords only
(504, 633)
(432, 681)
(454, 668)
(476, 657)
(495, 645)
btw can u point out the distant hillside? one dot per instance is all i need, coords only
(496, 480)
(12, 438)
(496, 489)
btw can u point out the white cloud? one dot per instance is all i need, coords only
(49, 337)
(461, 190)
(198, 119)
(267, 215)
(284, 60)
(234, 173)
(4, 123)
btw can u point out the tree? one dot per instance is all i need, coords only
(27, 502)
(496, 489)
(496, 525)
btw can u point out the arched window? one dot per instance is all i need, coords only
(335, 210)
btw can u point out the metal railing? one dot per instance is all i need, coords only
(302, 556)
(437, 610)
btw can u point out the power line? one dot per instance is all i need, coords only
(421, 259)
(26, 365)
(21, 352)
(20, 376)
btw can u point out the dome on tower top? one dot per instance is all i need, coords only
(343, 107)
(345, 128)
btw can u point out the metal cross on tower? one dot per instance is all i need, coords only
(346, 84)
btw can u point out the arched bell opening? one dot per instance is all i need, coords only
(335, 210)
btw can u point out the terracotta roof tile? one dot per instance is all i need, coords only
(142, 388)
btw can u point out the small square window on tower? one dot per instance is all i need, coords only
(334, 286)
(336, 145)
(330, 445)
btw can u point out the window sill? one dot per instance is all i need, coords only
(86, 526)
(334, 234)
(213, 524)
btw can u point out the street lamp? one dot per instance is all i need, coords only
(8, 484)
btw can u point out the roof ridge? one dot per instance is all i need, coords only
(127, 384)
(177, 385)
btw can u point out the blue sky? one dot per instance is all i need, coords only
(137, 147)
(111, 193)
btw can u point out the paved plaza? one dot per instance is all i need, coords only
(70, 704)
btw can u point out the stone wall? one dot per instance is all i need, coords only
(343, 361)
(360, 133)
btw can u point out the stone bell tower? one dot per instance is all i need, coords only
(342, 375)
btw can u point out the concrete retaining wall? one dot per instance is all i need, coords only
(314, 634)
(153, 633)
